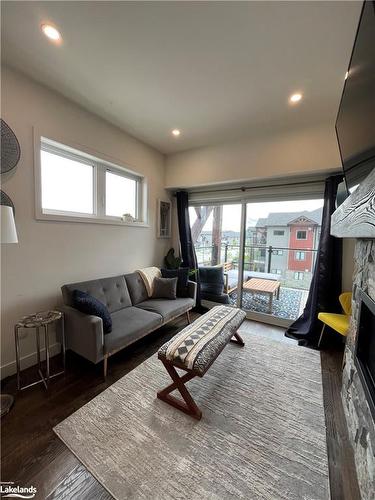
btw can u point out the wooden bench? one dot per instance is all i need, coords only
(194, 350)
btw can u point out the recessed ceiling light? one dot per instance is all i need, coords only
(51, 32)
(295, 97)
(176, 132)
(346, 75)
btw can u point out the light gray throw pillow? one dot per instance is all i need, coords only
(165, 288)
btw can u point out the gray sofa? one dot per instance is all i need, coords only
(133, 314)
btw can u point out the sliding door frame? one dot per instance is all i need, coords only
(313, 188)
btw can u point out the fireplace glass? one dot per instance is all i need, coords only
(365, 348)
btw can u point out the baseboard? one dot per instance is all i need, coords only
(27, 361)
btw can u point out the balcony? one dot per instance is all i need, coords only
(291, 267)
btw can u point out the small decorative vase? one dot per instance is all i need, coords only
(128, 218)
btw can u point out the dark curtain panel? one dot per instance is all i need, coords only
(189, 258)
(325, 286)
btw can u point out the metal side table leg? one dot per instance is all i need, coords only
(42, 378)
(17, 341)
(37, 334)
(63, 342)
(46, 339)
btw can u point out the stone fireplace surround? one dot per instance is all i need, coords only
(356, 219)
(357, 411)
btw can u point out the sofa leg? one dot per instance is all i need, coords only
(188, 317)
(105, 365)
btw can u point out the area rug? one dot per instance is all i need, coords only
(262, 434)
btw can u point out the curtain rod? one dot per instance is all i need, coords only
(243, 189)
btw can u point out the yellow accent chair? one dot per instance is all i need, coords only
(339, 322)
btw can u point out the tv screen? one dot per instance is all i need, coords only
(355, 123)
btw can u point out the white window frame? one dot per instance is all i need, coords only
(297, 275)
(298, 255)
(299, 231)
(279, 231)
(100, 165)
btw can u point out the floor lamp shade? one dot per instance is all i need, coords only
(8, 225)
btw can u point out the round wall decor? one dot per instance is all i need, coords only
(10, 148)
(6, 201)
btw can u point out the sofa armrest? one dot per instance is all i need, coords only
(192, 290)
(84, 333)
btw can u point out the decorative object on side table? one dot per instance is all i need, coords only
(10, 148)
(37, 321)
(164, 219)
(8, 235)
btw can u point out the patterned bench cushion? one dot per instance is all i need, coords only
(199, 344)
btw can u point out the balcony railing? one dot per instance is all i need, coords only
(293, 265)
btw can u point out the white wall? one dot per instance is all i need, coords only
(305, 151)
(50, 254)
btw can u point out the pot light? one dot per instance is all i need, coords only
(51, 32)
(176, 132)
(295, 98)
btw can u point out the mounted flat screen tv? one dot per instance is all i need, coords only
(355, 123)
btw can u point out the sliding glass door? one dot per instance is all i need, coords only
(279, 255)
(258, 256)
(216, 233)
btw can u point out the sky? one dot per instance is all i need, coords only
(232, 213)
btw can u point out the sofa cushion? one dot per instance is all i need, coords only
(129, 325)
(112, 292)
(212, 279)
(167, 308)
(90, 305)
(182, 273)
(165, 288)
(136, 287)
(221, 299)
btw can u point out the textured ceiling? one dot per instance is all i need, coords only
(217, 70)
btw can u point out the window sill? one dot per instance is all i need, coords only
(89, 220)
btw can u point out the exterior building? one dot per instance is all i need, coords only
(293, 237)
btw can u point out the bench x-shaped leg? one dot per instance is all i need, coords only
(189, 406)
(237, 339)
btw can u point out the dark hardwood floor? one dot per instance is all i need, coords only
(33, 455)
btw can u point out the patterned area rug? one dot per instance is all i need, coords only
(287, 306)
(262, 434)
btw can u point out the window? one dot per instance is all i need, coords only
(121, 195)
(298, 276)
(301, 235)
(278, 232)
(276, 271)
(75, 185)
(278, 252)
(300, 255)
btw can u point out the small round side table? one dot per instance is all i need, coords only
(40, 320)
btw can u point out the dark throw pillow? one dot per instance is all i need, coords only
(88, 304)
(165, 288)
(212, 279)
(182, 275)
